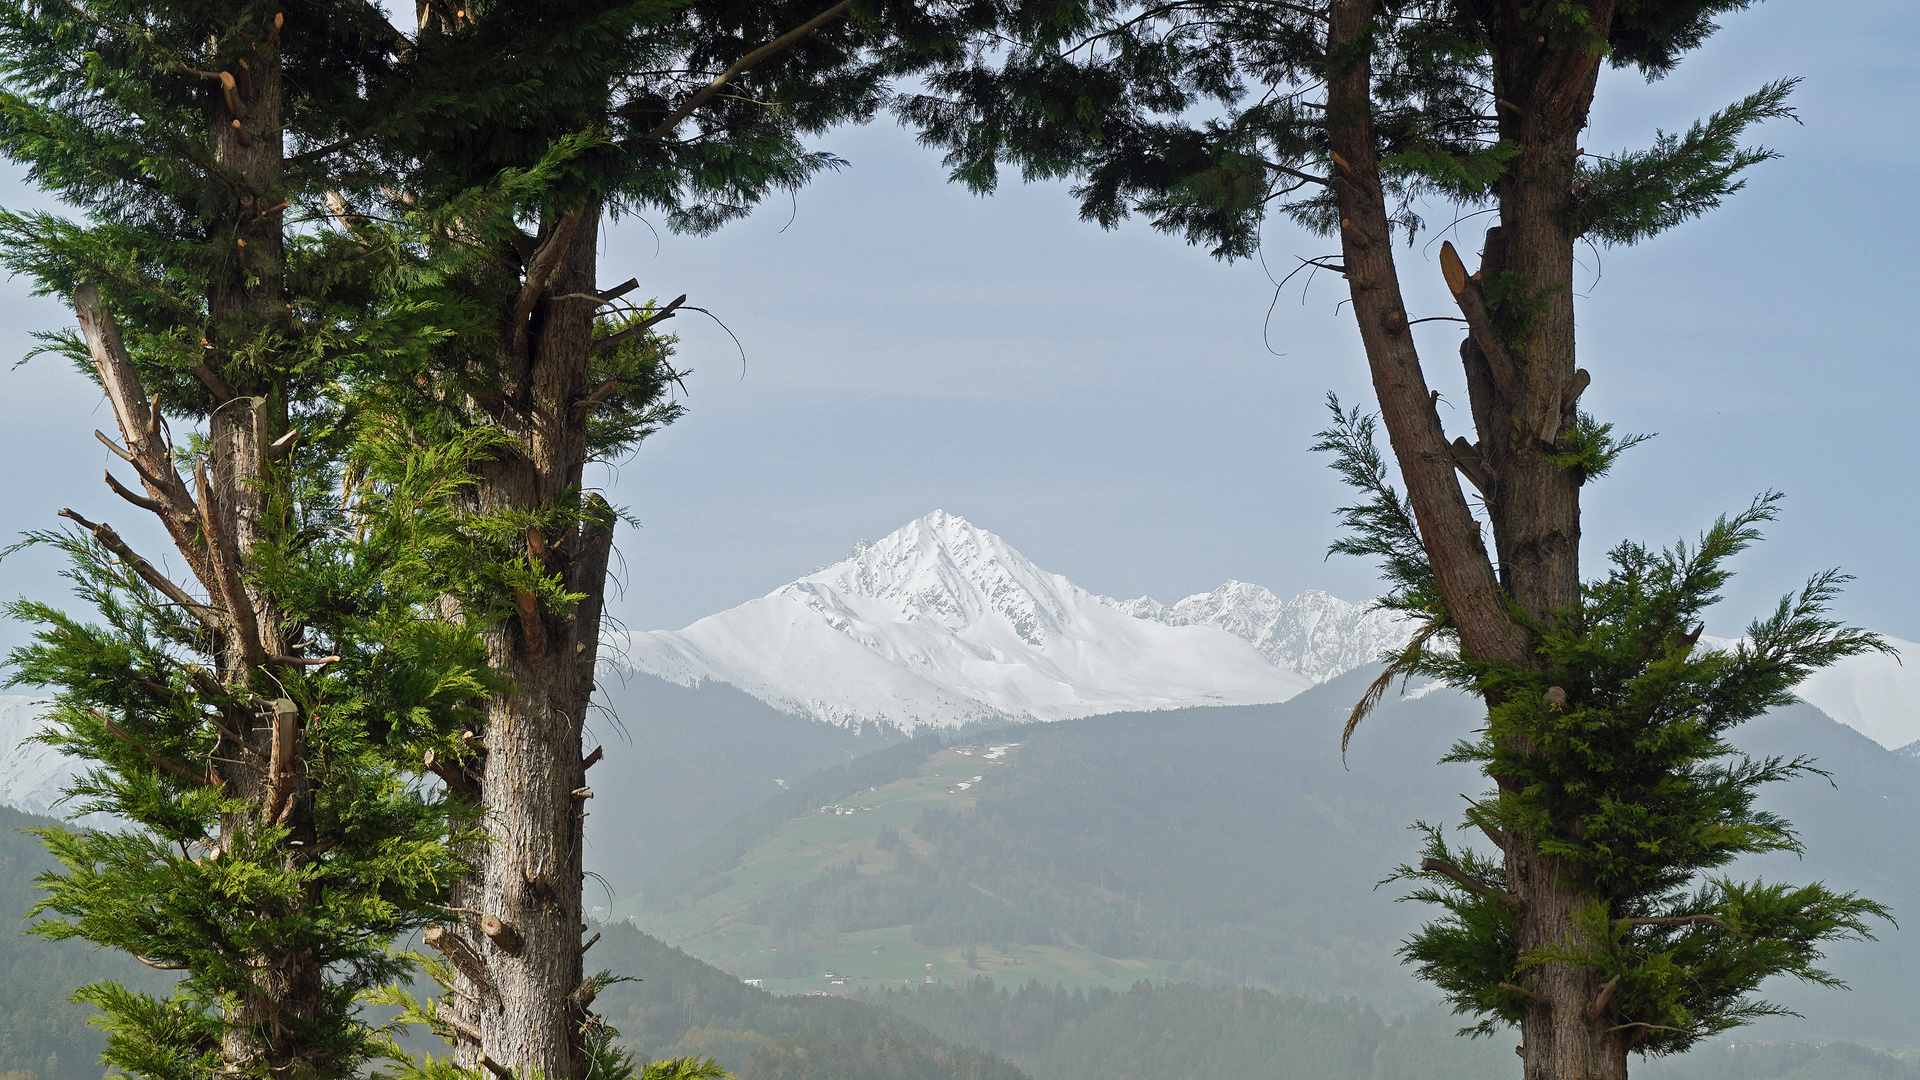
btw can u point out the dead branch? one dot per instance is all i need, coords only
(227, 88)
(1523, 991)
(107, 538)
(619, 290)
(503, 934)
(1600, 1003)
(461, 954)
(589, 761)
(459, 1026)
(643, 325)
(1466, 293)
(546, 259)
(226, 571)
(1466, 881)
(152, 506)
(456, 778)
(1466, 457)
(740, 66)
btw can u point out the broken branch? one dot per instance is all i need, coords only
(107, 538)
(643, 325)
(1523, 991)
(1600, 1003)
(227, 572)
(1461, 878)
(1466, 293)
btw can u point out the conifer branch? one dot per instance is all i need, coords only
(740, 67)
(109, 539)
(643, 325)
(168, 765)
(1466, 881)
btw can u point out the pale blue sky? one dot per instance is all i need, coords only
(1105, 400)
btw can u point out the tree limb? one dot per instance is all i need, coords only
(642, 326)
(540, 268)
(1466, 293)
(1523, 991)
(1465, 881)
(740, 66)
(1450, 537)
(226, 571)
(107, 538)
(1600, 1003)
(173, 768)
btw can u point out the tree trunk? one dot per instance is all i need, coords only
(234, 507)
(528, 1000)
(1521, 378)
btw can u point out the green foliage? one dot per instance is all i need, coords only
(1207, 116)
(1641, 193)
(1589, 447)
(133, 698)
(1610, 757)
(1381, 526)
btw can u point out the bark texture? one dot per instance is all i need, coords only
(1522, 381)
(526, 1006)
(232, 507)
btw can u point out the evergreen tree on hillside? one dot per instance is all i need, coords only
(258, 711)
(1600, 930)
(517, 130)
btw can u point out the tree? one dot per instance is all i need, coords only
(260, 723)
(516, 130)
(1614, 792)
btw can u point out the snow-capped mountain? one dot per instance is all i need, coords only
(1876, 695)
(31, 775)
(1315, 633)
(943, 622)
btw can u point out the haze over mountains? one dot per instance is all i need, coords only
(944, 623)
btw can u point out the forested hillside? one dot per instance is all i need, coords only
(682, 1007)
(1217, 1033)
(681, 761)
(42, 1031)
(1221, 846)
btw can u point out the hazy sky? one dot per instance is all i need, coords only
(1108, 401)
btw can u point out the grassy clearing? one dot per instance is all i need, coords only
(716, 929)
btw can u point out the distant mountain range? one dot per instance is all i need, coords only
(943, 623)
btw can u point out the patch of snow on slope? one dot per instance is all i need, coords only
(31, 775)
(1316, 634)
(943, 622)
(1875, 694)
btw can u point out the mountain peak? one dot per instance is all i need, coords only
(941, 621)
(944, 569)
